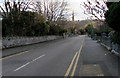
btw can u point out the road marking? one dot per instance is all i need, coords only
(22, 66)
(77, 55)
(14, 55)
(29, 63)
(37, 58)
(69, 68)
(74, 68)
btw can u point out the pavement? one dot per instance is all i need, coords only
(97, 61)
(73, 56)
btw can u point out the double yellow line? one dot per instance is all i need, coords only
(70, 67)
(76, 56)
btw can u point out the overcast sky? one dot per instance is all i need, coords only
(74, 5)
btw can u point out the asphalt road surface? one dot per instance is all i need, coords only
(73, 56)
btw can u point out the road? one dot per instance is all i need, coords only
(73, 56)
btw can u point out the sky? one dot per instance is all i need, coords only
(74, 5)
(79, 12)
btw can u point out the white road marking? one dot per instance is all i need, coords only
(37, 58)
(22, 66)
(28, 63)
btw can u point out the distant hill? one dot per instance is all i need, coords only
(80, 24)
(83, 22)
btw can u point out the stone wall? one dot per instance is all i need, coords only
(106, 41)
(8, 42)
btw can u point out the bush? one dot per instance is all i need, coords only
(57, 30)
(89, 29)
(54, 29)
(97, 32)
(62, 30)
(82, 31)
(30, 24)
(116, 37)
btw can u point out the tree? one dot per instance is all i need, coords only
(113, 20)
(12, 7)
(29, 24)
(95, 9)
(53, 10)
(18, 20)
(112, 16)
(11, 11)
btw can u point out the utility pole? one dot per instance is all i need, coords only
(73, 16)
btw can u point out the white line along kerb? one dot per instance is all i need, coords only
(29, 63)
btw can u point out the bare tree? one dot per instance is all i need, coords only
(95, 8)
(13, 5)
(53, 10)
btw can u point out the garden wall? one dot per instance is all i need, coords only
(8, 42)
